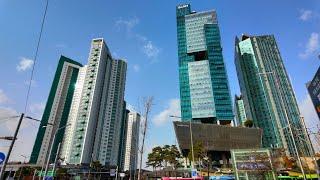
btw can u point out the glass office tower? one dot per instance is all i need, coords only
(314, 91)
(268, 96)
(239, 110)
(204, 89)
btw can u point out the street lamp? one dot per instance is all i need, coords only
(191, 138)
(51, 147)
(287, 120)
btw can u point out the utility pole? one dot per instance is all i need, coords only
(191, 139)
(56, 159)
(147, 108)
(11, 147)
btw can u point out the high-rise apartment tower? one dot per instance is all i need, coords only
(56, 111)
(268, 95)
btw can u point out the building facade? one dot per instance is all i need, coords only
(123, 135)
(132, 142)
(204, 88)
(95, 125)
(268, 96)
(108, 147)
(239, 110)
(56, 111)
(314, 91)
(72, 119)
(92, 104)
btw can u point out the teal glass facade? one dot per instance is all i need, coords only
(268, 96)
(239, 110)
(204, 94)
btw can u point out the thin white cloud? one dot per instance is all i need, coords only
(3, 97)
(8, 119)
(305, 15)
(136, 68)
(147, 46)
(37, 109)
(311, 47)
(163, 117)
(311, 119)
(33, 83)
(24, 64)
(150, 50)
(127, 24)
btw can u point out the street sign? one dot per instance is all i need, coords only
(194, 173)
(122, 174)
(2, 157)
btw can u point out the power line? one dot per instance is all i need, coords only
(36, 55)
(6, 118)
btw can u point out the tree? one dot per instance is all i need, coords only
(147, 104)
(96, 166)
(155, 158)
(248, 123)
(174, 156)
(62, 173)
(166, 155)
(25, 171)
(198, 152)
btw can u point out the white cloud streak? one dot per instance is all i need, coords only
(3, 97)
(37, 109)
(127, 24)
(305, 15)
(311, 47)
(24, 64)
(33, 83)
(173, 108)
(136, 68)
(148, 48)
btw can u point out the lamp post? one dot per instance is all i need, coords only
(51, 147)
(287, 120)
(42, 166)
(191, 138)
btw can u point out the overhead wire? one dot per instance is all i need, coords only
(36, 56)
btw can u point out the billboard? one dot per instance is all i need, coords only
(251, 164)
(314, 91)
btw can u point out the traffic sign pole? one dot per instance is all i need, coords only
(11, 147)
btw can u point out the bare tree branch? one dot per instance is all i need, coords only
(147, 105)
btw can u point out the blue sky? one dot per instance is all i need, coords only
(143, 33)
